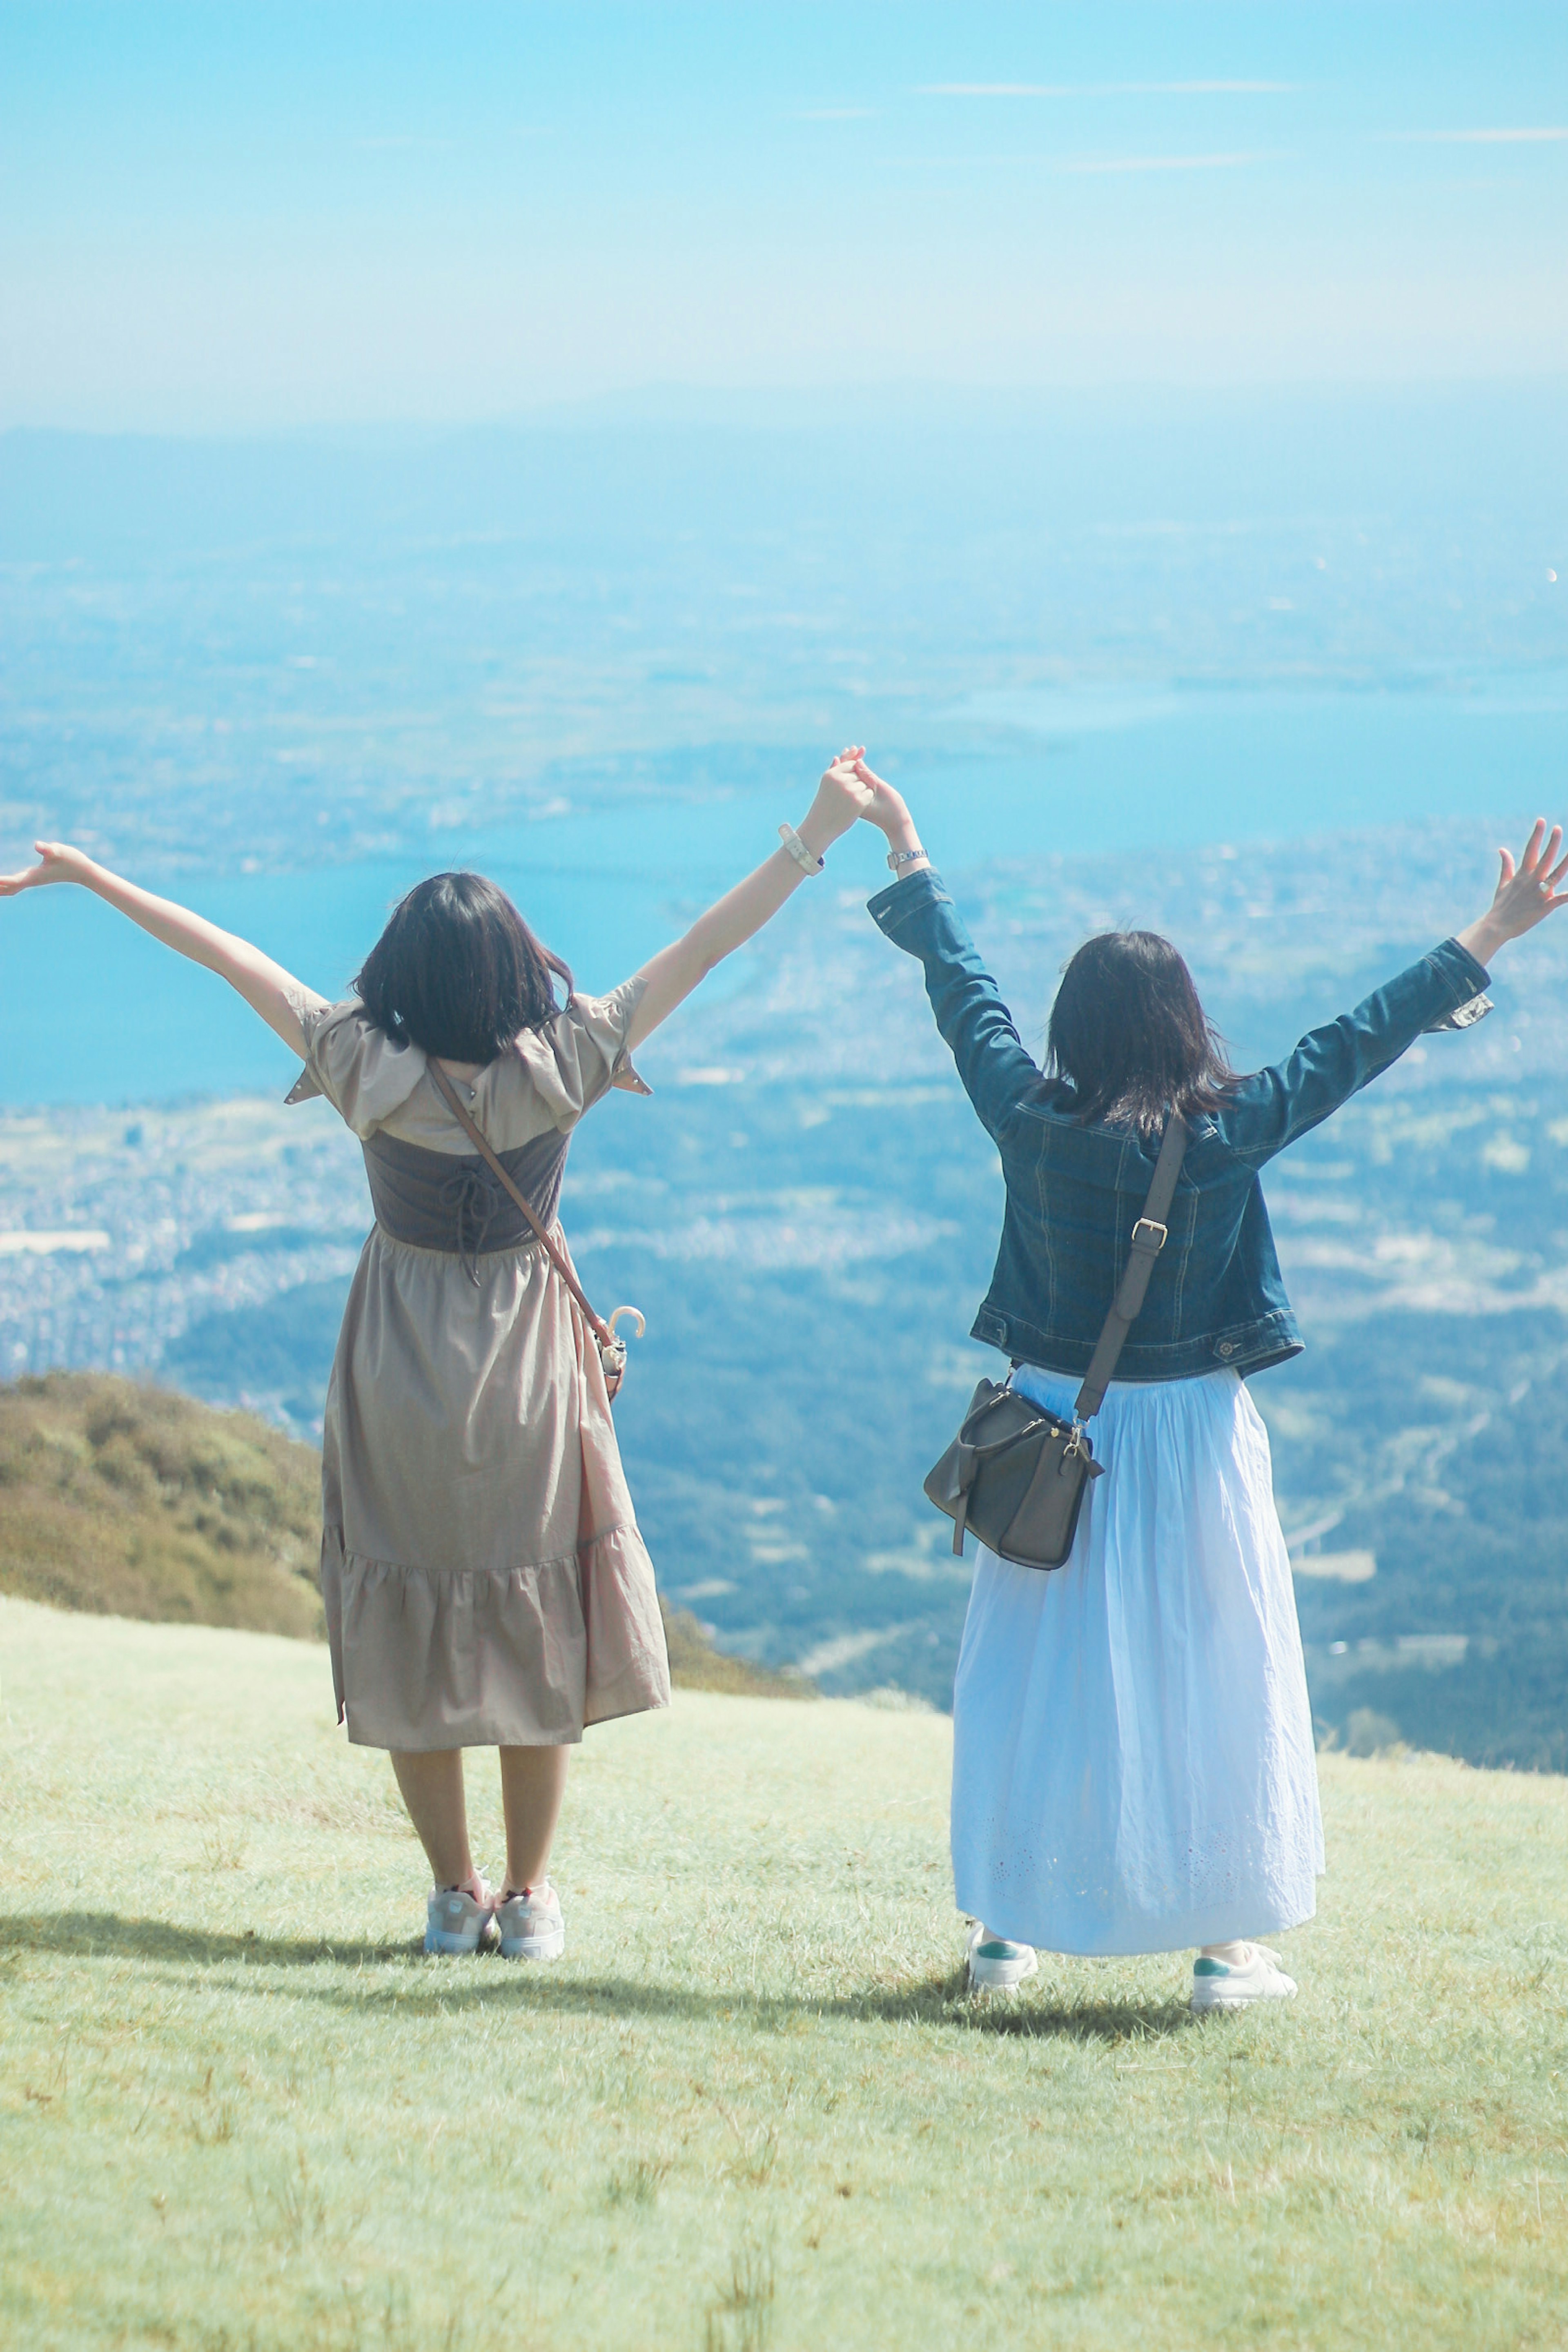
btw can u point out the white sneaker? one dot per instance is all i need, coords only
(531, 1928)
(994, 1964)
(457, 1918)
(1231, 1984)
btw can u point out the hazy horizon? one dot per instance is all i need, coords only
(259, 217)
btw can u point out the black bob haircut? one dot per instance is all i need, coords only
(458, 971)
(1131, 1037)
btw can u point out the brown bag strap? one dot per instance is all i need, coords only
(1148, 1241)
(600, 1329)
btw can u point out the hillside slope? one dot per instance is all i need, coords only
(754, 2105)
(131, 1501)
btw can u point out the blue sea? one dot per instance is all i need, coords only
(93, 1012)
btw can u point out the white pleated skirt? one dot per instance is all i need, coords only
(1134, 1764)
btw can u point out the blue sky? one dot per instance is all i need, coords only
(220, 218)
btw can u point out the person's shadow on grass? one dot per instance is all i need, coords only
(402, 1976)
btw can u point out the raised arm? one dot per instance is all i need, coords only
(675, 971)
(1272, 1107)
(265, 987)
(916, 913)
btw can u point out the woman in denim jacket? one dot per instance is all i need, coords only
(1133, 1768)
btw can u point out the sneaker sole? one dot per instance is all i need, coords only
(534, 1948)
(441, 1943)
(1200, 2002)
(438, 1945)
(1001, 1976)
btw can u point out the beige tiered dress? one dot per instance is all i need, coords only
(484, 1580)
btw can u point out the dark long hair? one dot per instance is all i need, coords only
(1131, 1037)
(458, 971)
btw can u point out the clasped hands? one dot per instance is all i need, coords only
(850, 791)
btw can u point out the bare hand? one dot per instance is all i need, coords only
(58, 862)
(1525, 895)
(841, 797)
(888, 812)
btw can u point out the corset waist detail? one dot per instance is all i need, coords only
(451, 1200)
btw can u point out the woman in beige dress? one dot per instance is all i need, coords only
(484, 1578)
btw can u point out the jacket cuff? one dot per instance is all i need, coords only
(1460, 967)
(891, 908)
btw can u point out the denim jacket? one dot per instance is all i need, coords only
(1075, 1192)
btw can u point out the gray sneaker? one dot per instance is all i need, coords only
(531, 1925)
(457, 1918)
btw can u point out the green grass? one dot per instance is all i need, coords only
(753, 2106)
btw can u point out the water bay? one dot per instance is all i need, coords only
(90, 1011)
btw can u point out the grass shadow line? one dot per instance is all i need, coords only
(935, 2000)
(89, 1935)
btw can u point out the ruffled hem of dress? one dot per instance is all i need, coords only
(629, 1663)
(526, 1656)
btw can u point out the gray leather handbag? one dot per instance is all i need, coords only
(1014, 1472)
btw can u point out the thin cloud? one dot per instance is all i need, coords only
(1104, 89)
(1170, 162)
(1478, 137)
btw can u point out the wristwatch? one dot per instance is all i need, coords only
(807, 859)
(899, 857)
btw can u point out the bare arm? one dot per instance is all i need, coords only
(265, 987)
(675, 971)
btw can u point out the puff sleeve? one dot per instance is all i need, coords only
(364, 1074)
(576, 1058)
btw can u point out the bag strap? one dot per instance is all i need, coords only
(600, 1329)
(1148, 1241)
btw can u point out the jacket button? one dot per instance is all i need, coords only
(1227, 1347)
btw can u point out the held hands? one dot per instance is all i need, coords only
(669, 977)
(58, 862)
(842, 796)
(1526, 894)
(889, 811)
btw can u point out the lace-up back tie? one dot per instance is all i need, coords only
(450, 1202)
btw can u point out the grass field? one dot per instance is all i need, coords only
(753, 2106)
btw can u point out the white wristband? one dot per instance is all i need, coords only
(799, 852)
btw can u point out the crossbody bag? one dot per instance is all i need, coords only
(611, 1348)
(1016, 1473)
